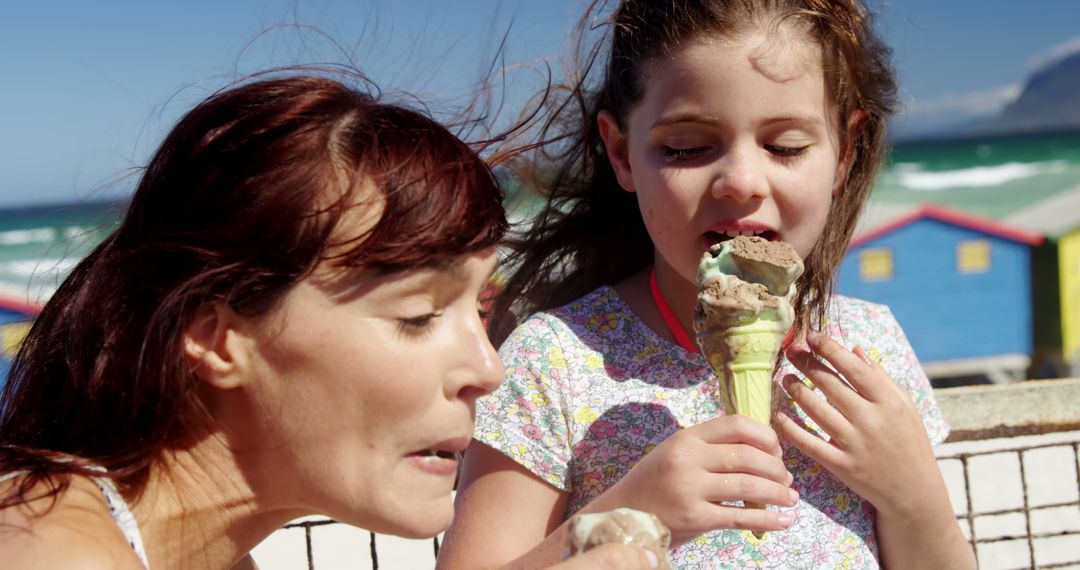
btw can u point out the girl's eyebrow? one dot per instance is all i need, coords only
(697, 118)
(804, 119)
(686, 117)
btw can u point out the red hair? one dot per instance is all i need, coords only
(241, 201)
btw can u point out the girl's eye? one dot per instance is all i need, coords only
(786, 151)
(680, 154)
(419, 324)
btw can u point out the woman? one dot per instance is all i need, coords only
(285, 323)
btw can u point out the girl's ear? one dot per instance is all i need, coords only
(216, 348)
(854, 126)
(615, 146)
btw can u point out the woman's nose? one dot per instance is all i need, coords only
(485, 369)
(739, 177)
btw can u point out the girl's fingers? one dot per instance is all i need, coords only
(835, 388)
(738, 429)
(730, 487)
(726, 516)
(726, 458)
(856, 370)
(813, 446)
(828, 418)
(841, 395)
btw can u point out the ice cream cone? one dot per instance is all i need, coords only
(742, 316)
(746, 388)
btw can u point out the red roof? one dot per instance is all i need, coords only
(954, 217)
(9, 304)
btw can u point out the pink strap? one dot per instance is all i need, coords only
(669, 317)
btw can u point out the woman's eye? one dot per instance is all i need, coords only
(786, 151)
(679, 154)
(417, 324)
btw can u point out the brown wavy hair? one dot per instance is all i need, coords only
(590, 232)
(238, 204)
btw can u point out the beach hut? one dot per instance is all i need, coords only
(1056, 280)
(15, 319)
(959, 284)
(1069, 267)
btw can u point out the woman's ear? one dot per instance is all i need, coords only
(616, 148)
(215, 346)
(855, 122)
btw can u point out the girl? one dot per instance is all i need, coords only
(231, 357)
(714, 118)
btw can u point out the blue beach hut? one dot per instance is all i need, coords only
(959, 284)
(15, 319)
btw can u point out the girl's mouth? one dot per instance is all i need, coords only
(722, 236)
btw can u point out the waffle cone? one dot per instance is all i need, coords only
(743, 359)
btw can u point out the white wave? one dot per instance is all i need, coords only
(978, 176)
(78, 232)
(21, 237)
(37, 267)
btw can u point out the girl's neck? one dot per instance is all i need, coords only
(198, 511)
(679, 294)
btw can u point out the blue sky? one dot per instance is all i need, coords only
(90, 87)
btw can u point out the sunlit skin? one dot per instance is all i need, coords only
(730, 136)
(372, 380)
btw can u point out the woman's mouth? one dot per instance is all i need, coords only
(433, 455)
(441, 463)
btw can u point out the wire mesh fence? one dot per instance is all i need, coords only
(1014, 482)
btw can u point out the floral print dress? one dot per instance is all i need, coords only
(590, 389)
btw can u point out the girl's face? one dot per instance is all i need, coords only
(365, 392)
(732, 135)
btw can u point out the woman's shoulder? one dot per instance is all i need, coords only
(73, 529)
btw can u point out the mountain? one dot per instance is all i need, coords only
(1050, 100)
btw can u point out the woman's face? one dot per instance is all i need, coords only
(366, 385)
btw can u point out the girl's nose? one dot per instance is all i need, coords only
(739, 178)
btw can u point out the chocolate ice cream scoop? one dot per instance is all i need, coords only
(622, 526)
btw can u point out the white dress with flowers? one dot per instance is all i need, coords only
(590, 389)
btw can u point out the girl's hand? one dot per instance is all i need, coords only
(684, 480)
(877, 441)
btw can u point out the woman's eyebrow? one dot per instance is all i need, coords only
(451, 265)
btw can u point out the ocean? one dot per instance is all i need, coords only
(40, 244)
(992, 177)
